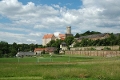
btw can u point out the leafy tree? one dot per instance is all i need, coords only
(4, 48)
(69, 40)
(13, 52)
(32, 47)
(89, 33)
(50, 43)
(77, 35)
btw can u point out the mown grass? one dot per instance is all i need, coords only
(60, 68)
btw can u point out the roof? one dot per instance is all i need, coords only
(24, 53)
(92, 36)
(63, 43)
(47, 36)
(39, 49)
(51, 49)
(62, 36)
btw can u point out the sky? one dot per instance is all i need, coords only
(27, 21)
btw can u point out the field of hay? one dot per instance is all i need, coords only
(60, 67)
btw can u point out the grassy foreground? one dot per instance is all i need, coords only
(60, 68)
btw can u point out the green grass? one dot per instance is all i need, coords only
(60, 68)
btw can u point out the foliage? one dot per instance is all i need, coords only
(110, 41)
(107, 48)
(77, 35)
(90, 33)
(86, 33)
(69, 40)
(55, 43)
(10, 50)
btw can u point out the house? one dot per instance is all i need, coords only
(23, 54)
(63, 47)
(38, 51)
(61, 36)
(50, 49)
(94, 37)
(47, 38)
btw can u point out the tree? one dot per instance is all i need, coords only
(77, 35)
(50, 43)
(4, 48)
(118, 41)
(32, 47)
(84, 42)
(69, 40)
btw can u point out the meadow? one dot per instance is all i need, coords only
(60, 67)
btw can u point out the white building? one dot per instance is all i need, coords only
(57, 35)
(47, 38)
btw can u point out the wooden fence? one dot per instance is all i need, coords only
(94, 53)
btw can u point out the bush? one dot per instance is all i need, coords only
(107, 48)
(92, 48)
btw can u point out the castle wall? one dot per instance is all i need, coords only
(94, 53)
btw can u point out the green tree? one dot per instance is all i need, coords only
(77, 35)
(50, 43)
(69, 40)
(118, 41)
(31, 47)
(4, 48)
(84, 42)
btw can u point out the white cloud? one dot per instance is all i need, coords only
(30, 22)
(31, 40)
(36, 34)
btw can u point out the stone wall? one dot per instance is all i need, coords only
(95, 47)
(93, 53)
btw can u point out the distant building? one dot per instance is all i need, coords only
(63, 46)
(48, 37)
(50, 49)
(94, 37)
(38, 51)
(68, 31)
(62, 36)
(23, 54)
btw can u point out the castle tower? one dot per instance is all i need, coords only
(69, 30)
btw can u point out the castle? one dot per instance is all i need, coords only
(48, 37)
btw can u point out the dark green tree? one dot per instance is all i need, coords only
(77, 35)
(69, 40)
(4, 48)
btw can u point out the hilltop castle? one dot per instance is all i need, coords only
(48, 37)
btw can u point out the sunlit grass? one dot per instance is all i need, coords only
(61, 68)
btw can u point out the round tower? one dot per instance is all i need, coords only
(69, 30)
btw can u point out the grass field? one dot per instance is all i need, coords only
(60, 68)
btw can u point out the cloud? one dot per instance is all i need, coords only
(29, 22)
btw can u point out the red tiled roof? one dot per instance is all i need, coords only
(47, 36)
(48, 49)
(62, 36)
(39, 49)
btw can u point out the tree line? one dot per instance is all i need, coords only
(110, 41)
(10, 50)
